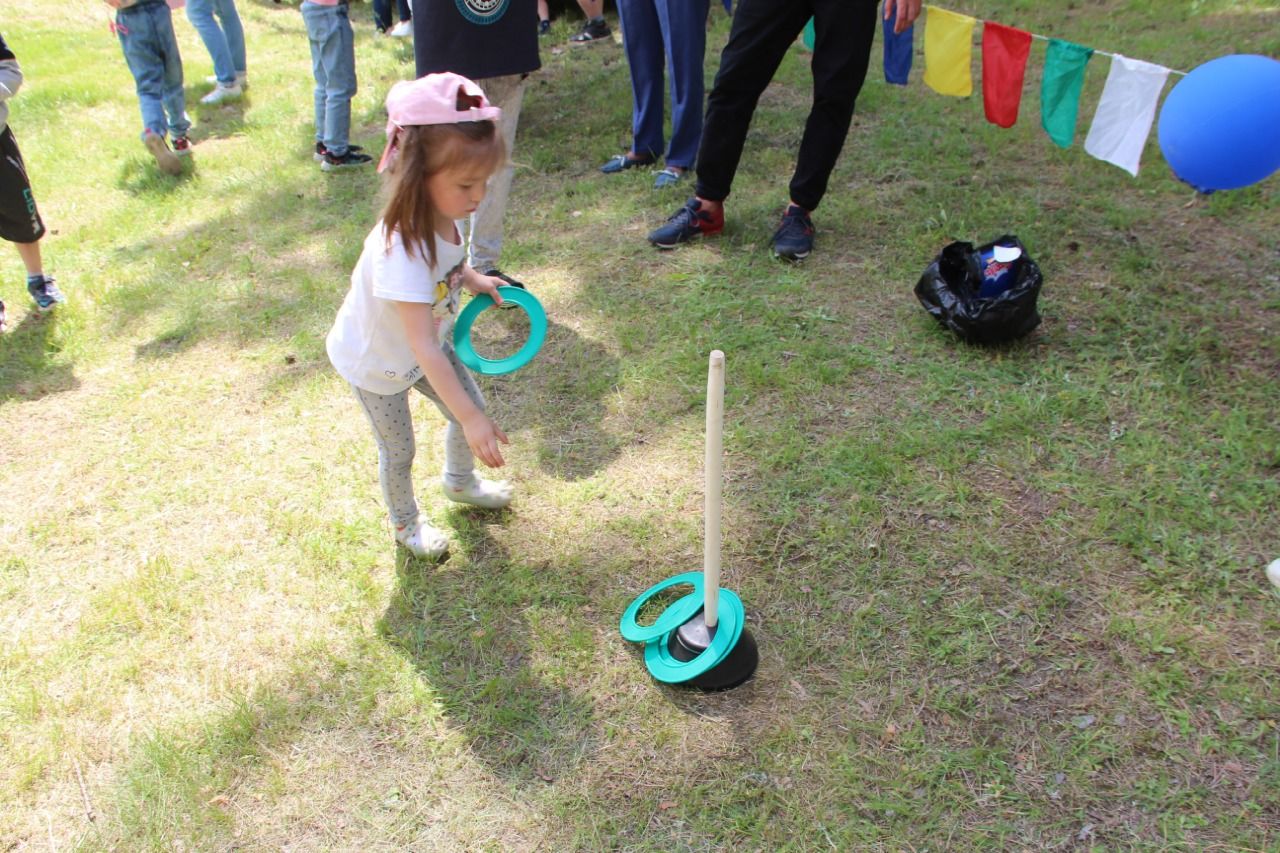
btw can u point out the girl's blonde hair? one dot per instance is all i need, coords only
(424, 151)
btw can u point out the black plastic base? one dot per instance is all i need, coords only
(691, 638)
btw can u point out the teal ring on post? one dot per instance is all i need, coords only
(494, 366)
(669, 669)
(676, 613)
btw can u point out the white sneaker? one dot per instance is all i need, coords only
(423, 540)
(489, 494)
(242, 79)
(404, 29)
(222, 93)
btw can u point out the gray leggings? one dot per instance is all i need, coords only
(393, 430)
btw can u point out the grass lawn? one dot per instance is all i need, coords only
(1006, 598)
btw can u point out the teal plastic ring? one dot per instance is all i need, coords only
(667, 668)
(676, 613)
(493, 366)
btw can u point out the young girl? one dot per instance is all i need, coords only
(391, 332)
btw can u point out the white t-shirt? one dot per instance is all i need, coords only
(367, 343)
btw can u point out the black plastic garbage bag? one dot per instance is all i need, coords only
(954, 291)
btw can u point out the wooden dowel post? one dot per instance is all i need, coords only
(714, 467)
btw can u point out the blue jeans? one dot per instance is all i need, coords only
(151, 50)
(670, 33)
(333, 63)
(225, 43)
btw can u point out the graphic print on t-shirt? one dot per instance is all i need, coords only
(482, 11)
(444, 299)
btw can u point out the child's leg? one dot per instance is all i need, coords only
(393, 431)
(174, 101)
(460, 481)
(20, 221)
(30, 254)
(333, 62)
(136, 29)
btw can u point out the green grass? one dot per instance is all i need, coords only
(1005, 599)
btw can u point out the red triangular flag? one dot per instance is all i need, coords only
(1004, 63)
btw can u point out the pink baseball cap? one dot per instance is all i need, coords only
(445, 98)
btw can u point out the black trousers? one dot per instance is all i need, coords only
(761, 33)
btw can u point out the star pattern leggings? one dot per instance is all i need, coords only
(393, 430)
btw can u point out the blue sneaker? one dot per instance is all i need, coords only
(794, 238)
(686, 223)
(45, 292)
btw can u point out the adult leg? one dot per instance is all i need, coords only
(406, 13)
(642, 39)
(843, 32)
(762, 31)
(200, 14)
(506, 93)
(684, 35)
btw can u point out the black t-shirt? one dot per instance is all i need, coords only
(475, 38)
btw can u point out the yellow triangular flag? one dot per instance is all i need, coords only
(948, 48)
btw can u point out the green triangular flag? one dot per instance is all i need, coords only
(1060, 89)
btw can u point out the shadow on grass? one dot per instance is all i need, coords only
(140, 176)
(560, 396)
(487, 632)
(28, 370)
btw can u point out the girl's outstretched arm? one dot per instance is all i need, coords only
(482, 433)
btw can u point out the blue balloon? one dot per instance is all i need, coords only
(1220, 125)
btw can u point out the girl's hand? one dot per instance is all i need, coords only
(477, 283)
(908, 11)
(483, 436)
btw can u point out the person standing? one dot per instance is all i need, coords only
(655, 34)
(145, 30)
(760, 36)
(20, 221)
(494, 43)
(333, 64)
(224, 39)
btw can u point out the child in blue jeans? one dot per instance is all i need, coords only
(20, 221)
(145, 28)
(333, 64)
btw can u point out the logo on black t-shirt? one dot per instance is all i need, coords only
(482, 11)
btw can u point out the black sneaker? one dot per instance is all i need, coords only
(686, 223)
(321, 150)
(1, 316)
(544, 27)
(350, 159)
(45, 292)
(794, 238)
(592, 31)
(497, 273)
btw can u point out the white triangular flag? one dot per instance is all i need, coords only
(1125, 112)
